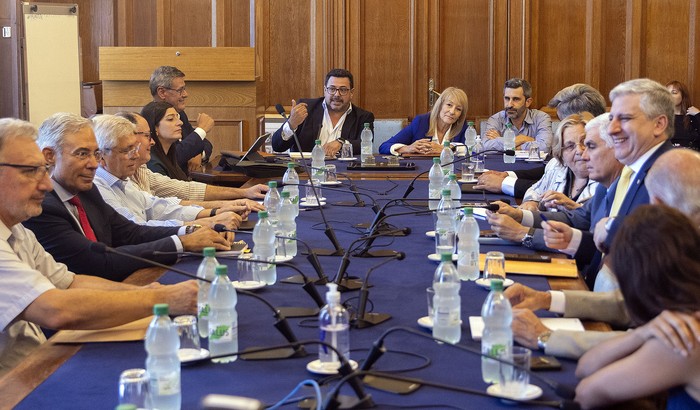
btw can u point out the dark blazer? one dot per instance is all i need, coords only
(61, 236)
(415, 131)
(309, 129)
(526, 178)
(191, 144)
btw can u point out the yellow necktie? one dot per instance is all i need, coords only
(621, 190)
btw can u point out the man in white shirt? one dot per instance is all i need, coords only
(117, 140)
(37, 291)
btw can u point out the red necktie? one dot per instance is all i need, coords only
(82, 217)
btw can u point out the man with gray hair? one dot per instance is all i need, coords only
(167, 84)
(120, 147)
(578, 98)
(35, 290)
(75, 215)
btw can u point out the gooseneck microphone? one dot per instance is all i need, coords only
(353, 188)
(363, 319)
(330, 233)
(311, 257)
(410, 188)
(281, 324)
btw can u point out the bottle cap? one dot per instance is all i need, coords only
(470, 123)
(446, 257)
(468, 211)
(209, 251)
(285, 194)
(366, 125)
(290, 165)
(160, 309)
(126, 406)
(436, 160)
(317, 142)
(272, 184)
(332, 295)
(497, 284)
(262, 214)
(221, 270)
(446, 143)
(453, 177)
(447, 192)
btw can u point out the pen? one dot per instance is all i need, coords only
(544, 218)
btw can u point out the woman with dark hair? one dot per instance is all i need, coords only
(656, 258)
(687, 124)
(166, 131)
(426, 133)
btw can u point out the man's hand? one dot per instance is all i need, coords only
(203, 237)
(522, 297)
(491, 181)
(522, 139)
(557, 235)
(600, 235)
(195, 164)
(492, 134)
(331, 148)
(231, 220)
(205, 122)
(526, 327)
(298, 114)
(253, 206)
(505, 227)
(505, 209)
(181, 297)
(532, 206)
(557, 200)
(256, 191)
(679, 331)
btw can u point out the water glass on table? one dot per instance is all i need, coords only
(310, 197)
(133, 388)
(331, 175)
(495, 266)
(468, 171)
(534, 153)
(190, 346)
(346, 150)
(514, 380)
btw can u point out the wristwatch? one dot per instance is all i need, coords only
(191, 228)
(608, 223)
(527, 239)
(542, 339)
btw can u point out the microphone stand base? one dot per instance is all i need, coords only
(383, 229)
(341, 402)
(289, 311)
(390, 385)
(329, 252)
(347, 285)
(299, 280)
(349, 203)
(381, 253)
(371, 319)
(277, 354)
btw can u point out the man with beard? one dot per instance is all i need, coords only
(333, 118)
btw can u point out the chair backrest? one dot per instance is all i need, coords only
(385, 129)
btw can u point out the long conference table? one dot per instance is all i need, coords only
(86, 376)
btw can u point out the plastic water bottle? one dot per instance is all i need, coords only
(435, 177)
(366, 146)
(318, 162)
(162, 363)
(446, 302)
(264, 249)
(272, 203)
(455, 190)
(478, 158)
(291, 177)
(447, 157)
(445, 227)
(223, 318)
(468, 247)
(470, 136)
(334, 325)
(497, 339)
(206, 270)
(509, 143)
(287, 226)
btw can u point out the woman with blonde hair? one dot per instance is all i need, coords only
(426, 133)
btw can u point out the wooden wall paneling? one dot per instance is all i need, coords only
(9, 65)
(593, 43)
(613, 67)
(233, 19)
(420, 55)
(189, 23)
(382, 51)
(693, 49)
(633, 39)
(665, 41)
(518, 34)
(500, 58)
(464, 50)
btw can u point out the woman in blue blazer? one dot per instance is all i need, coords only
(426, 133)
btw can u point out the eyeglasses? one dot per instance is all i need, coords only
(83, 155)
(343, 91)
(179, 90)
(572, 146)
(146, 134)
(129, 152)
(35, 172)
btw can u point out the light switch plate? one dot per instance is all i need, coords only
(6, 32)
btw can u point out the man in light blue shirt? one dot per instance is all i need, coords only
(116, 138)
(531, 126)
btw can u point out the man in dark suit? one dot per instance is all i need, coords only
(333, 118)
(168, 84)
(75, 215)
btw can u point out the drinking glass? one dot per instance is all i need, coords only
(133, 388)
(468, 171)
(430, 293)
(310, 197)
(189, 336)
(534, 153)
(392, 161)
(346, 151)
(246, 271)
(514, 380)
(331, 175)
(495, 266)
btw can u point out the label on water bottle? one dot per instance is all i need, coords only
(220, 334)
(496, 350)
(166, 384)
(203, 310)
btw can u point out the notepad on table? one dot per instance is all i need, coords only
(476, 324)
